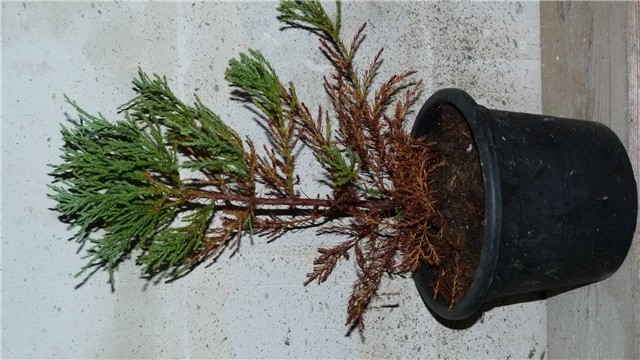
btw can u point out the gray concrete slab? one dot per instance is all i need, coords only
(251, 305)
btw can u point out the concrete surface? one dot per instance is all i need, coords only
(254, 304)
(633, 101)
(588, 49)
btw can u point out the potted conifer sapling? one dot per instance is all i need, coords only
(476, 203)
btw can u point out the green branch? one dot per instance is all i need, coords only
(195, 131)
(103, 184)
(253, 74)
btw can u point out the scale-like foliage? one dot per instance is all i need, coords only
(312, 14)
(195, 130)
(172, 247)
(104, 184)
(254, 75)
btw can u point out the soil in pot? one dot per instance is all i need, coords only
(459, 193)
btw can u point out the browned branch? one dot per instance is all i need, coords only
(383, 205)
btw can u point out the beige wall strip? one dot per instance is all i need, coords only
(586, 75)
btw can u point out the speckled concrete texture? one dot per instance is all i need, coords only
(252, 305)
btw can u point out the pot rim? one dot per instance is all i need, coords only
(479, 288)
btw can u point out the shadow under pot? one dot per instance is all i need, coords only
(559, 200)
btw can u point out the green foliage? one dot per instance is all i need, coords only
(310, 14)
(342, 162)
(104, 183)
(196, 131)
(253, 74)
(172, 247)
(343, 167)
(123, 178)
(374, 192)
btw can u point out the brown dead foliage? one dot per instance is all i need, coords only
(391, 218)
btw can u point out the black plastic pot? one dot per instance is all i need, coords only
(560, 202)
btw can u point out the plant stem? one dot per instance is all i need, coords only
(293, 202)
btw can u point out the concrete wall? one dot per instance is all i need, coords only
(253, 304)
